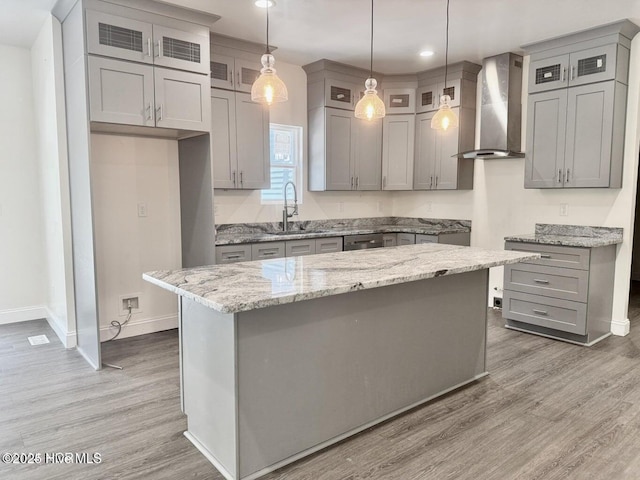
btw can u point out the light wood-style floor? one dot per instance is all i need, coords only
(549, 410)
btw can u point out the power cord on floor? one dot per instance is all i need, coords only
(118, 325)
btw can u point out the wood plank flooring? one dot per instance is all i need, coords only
(549, 410)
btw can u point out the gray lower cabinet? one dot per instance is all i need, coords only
(406, 238)
(329, 244)
(298, 248)
(233, 253)
(390, 239)
(463, 238)
(264, 251)
(420, 238)
(567, 294)
(137, 94)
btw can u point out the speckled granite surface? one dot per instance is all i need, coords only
(236, 233)
(571, 236)
(244, 286)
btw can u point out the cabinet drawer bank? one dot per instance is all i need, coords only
(283, 357)
(567, 294)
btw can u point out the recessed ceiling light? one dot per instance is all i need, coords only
(426, 53)
(265, 3)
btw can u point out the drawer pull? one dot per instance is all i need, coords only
(545, 256)
(233, 256)
(540, 312)
(538, 280)
(266, 254)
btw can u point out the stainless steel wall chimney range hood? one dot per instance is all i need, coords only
(501, 108)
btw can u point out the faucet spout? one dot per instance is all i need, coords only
(285, 212)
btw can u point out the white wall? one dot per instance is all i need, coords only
(129, 171)
(48, 95)
(237, 206)
(22, 276)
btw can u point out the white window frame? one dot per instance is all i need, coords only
(297, 138)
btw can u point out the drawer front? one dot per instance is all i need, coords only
(298, 248)
(420, 238)
(554, 256)
(263, 251)
(328, 245)
(406, 238)
(233, 253)
(547, 312)
(566, 283)
(390, 239)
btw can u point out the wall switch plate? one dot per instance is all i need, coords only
(142, 209)
(564, 209)
(123, 304)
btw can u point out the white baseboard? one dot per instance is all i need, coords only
(142, 327)
(620, 327)
(22, 314)
(67, 338)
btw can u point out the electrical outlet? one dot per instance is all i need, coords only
(497, 302)
(142, 209)
(133, 300)
(564, 209)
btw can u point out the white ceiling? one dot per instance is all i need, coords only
(308, 30)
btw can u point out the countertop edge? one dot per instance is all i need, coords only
(584, 242)
(330, 291)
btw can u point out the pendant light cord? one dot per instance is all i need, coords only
(268, 52)
(371, 64)
(446, 48)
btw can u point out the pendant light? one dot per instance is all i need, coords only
(268, 87)
(370, 106)
(445, 117)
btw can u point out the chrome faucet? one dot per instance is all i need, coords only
(285, 212)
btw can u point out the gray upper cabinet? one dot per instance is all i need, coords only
(233, 73)
(399, 100)
(240, 141)
(398, 134)
(338, 94)
(179, 45)
(119, 37)
(577, 108)
(121, 92)
(436, 166)
(428, 97)
(352, 150)
(135, 94)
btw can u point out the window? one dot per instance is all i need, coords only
(286, 162)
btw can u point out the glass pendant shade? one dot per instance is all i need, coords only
(444, 118)
(370, 106)
(268, 88)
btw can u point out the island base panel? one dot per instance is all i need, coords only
(310, 373)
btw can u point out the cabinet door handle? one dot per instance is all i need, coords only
(436, 181)
(148, 111)
(159, 113)
(230, 77)
(568, 174)
(238, 74)
(268, 254)
(539, 280)
(149, 47)
(384, 181)
(431, 181)
(564, 75)
(159, 51)
(572, 72)
(559, 175)
(357, 182)
(233, 256)
(539, 312)
(352, 182)
(234, 178)
(241, 180)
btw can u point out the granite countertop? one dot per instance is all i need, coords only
(570, 236)
(228, 234)
(244, 286)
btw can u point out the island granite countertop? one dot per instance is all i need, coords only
(570, 236)
(244, 286)
(238, 233)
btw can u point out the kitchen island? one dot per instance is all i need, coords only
(283, 357)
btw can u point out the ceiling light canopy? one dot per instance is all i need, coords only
(264, 3)
(268, 87)
(370, 106)
(445, 118)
